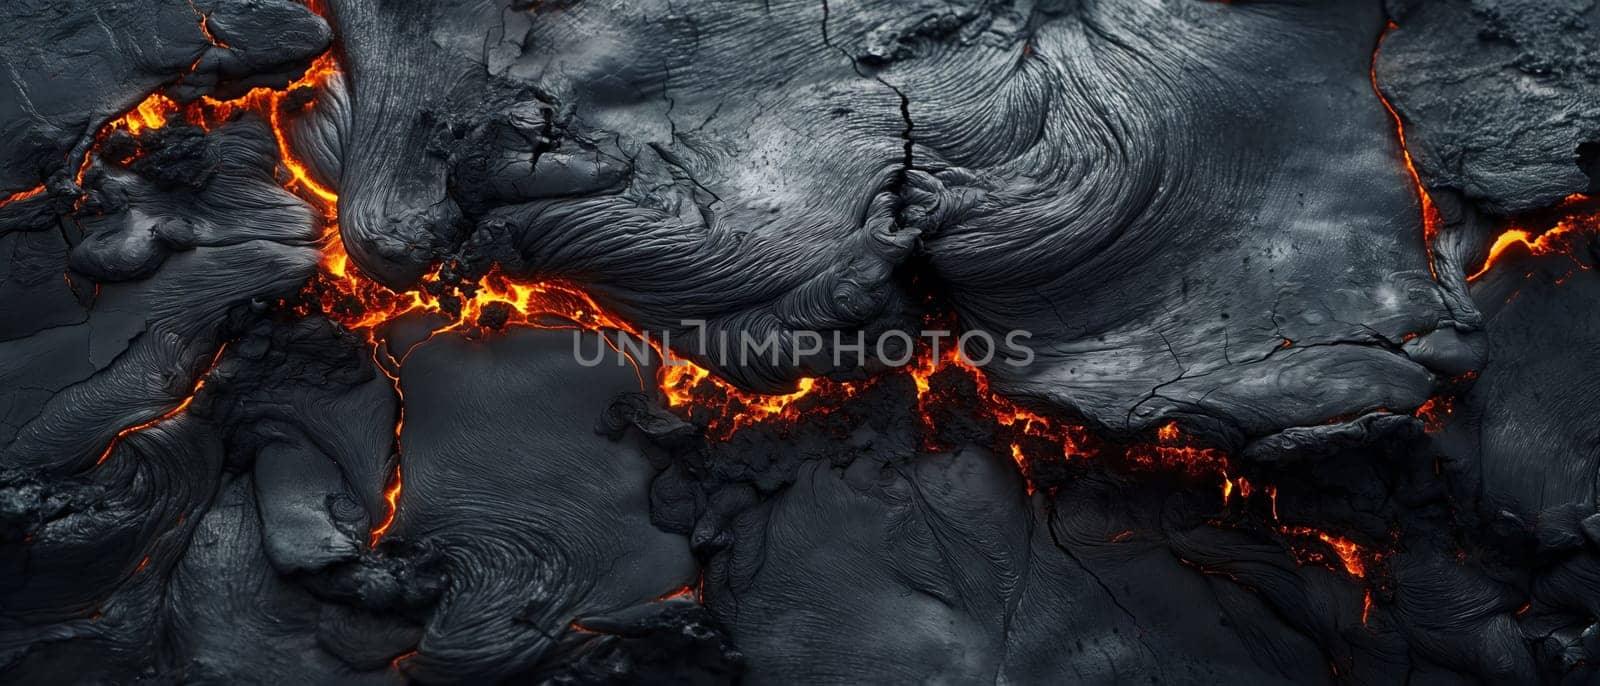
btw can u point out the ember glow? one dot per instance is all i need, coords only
(1435, 412)
(205, 29)
(1577, 217)
(1173, 449)
(1351, 556)
(158, 110)
(149, 115)
(757, 170)
(175, 411)
(687, 386)
(391, 495)
(22, 195)
(344, 294)
(941, 384)
(1430, 214)
(1026, 434)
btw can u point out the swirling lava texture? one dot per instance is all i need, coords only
(296, 300)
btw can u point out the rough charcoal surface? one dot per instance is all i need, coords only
(300, 302)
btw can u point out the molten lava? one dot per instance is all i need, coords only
(205, 28)
(1171, 449)
(148, 115)
(1024, 432)
(340, 291)
(1577, 217)
(726, 409)
(184, 405)
(391, 495)
(1430, 213)
(943, 381)
(1352, 557)
(22, 195)
(1546, 242)
(155, 112)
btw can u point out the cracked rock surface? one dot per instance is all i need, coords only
(300, 304)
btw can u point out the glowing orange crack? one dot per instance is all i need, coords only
(155, 112)
(1430, 213)
(395, 663)
(205, 28)
(1550, 241)
(1017, 420)
(22, 195)
(1545, 243)
(688, 385)
(184, 405)
(1172, 449)
(391, 496)
(682, 385)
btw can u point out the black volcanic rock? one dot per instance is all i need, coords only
(299, 304)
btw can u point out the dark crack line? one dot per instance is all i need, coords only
(1377, 340)
(1155, 391)
(907, 134)
(679, 169)
(1112, 596)
(1007, 618)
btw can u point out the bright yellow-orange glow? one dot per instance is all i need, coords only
(1173, 450)
(1352, 557)
(726, 409)
(153, 113)
(391, 496)
(341, 292)
(320, 70)
(148, 115)
(1031, 437)
(344, 294)
(1168, 432)
(205, 28)
(352, 299)
(156, 110)
(1555, 239)
(359, 303)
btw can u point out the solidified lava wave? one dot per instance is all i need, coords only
(300, 297)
